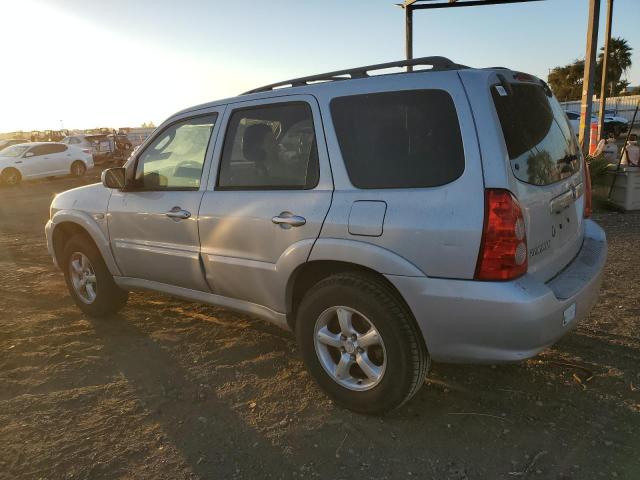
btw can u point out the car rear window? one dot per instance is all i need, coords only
(405, 139)
(542, 150)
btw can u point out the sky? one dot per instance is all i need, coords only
(116, 63)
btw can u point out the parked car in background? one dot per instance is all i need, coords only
(104, 147)
(12, 141)
(387, 219)
(42, 159)
(100, 145)
(612, 124)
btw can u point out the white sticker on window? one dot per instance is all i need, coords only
(501, 91)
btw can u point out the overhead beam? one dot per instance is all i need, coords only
(463, 3)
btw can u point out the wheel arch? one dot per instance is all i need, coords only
(11, 167)
(68, 224)
(78, 160)
(308, 274)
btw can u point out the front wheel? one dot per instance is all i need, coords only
(361, 343)
(78, 168)
(10, 176)
(88, 279)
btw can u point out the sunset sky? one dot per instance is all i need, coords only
(123, 62)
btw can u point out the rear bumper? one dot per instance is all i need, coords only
(487, 322)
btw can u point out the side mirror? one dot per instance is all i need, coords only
(114, 178)
(28, 154)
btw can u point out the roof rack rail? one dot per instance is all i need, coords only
(437, 64)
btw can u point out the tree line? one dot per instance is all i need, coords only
(566, 81)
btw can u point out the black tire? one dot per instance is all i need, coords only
(78, 168)
(407, 359)
(10, 177)
(109, 298)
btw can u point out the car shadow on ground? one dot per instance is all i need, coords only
(208, 434)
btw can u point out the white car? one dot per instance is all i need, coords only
(29, 161)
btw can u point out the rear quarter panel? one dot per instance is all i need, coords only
(437, 229)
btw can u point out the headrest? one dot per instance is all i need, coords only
(253, 142)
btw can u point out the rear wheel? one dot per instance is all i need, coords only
(89, 282)
(78, 168)
(360, 343)
(10, 176)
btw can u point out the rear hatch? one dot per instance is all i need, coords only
(546, 170)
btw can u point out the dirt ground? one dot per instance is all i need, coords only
(171, 389)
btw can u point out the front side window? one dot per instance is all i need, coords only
(14, 151)
(270, 147)
(403, 139)
(174, 160)
(542, 150)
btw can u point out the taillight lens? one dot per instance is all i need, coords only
(587, 190)
(503, 251)
(86, 150)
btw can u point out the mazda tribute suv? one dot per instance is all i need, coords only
(387, 219)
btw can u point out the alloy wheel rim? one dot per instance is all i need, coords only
(78, 170)
(12, 178)
(83, 277)
(350, 348)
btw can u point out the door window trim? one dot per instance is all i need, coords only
(133, 166)
(266, 103)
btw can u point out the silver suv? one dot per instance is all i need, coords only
(389, 220)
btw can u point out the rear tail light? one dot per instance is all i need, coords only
(587, 190)
(503, 250)
(86, 150)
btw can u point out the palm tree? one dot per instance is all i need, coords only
(618, 64)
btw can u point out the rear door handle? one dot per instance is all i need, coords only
(178, 213)
(288, 220)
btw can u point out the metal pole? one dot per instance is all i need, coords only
(589, 70)
(408, 22)
(603, 87)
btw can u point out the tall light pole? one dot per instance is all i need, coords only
(589, 74)
(603, 86)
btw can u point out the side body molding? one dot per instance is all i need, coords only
(365, 254)
(96, 227)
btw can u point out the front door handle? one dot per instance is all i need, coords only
(288, 220)
(178, 213)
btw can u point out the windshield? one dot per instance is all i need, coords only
(14, 150)
(541, 147)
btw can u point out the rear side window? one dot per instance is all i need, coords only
(541, 147)
(39, 150)
(270, 147)
(57, 148)
(406, 139)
